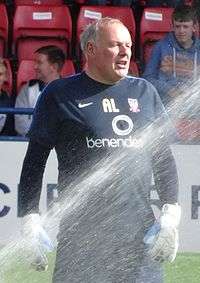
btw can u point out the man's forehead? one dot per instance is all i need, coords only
(41, 57)
(187, 23)
(115, 30)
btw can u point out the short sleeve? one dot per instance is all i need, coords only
(45, 126)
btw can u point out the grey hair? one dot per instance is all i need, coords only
(91, 30)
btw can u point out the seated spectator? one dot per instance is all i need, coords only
(49, 61)
(6, 120)
(174, 59)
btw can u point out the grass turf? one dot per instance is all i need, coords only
(185, 269)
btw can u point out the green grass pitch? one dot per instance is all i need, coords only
(185, 269)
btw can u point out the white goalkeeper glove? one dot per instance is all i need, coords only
(36, 241)
(162, 238)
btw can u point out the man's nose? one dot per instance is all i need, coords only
(181, 29)
(124, 49)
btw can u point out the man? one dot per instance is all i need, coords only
(100, 123)
(49, 61)
(175, 58)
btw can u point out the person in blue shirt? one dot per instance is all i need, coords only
(110, 134)
(175, 59)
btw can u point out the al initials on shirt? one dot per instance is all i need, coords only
(109, 105)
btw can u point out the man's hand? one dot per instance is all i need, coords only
(162, 237)
(36, 241)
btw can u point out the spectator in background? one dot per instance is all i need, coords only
(175, 58)
(6, 120)
(49, 61)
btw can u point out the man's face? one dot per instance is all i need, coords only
(2, 75)
(43, 68)
(112, 52)
(183, 31)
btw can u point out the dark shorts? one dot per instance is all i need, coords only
(103, 259)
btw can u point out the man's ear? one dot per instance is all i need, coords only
(196, 28)
(90, 48)
(55, 67)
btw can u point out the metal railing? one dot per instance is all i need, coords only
(20, 111)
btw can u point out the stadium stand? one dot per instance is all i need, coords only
(36, 26)
(89, 14)
(168, 3)
(34, 23)
(8, 85)
(155, 23)
(84, 2)
(105, 2)
(38, 2)
(68, 68)
(3, 31)
(26, 71)
(133, 69)
(188, 129)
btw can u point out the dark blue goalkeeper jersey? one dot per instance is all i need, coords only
(109, 139)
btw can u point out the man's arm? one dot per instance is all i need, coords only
(162, 238)
(163, 83)
(31, 178)
(22, 122)
(36, 241)
(165, 172)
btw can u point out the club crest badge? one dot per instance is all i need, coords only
(133, 103)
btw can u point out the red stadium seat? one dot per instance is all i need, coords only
(26, 71)
(8, 85)
(155, 23)
(36, 26)
(188, 129)
(38, 2)
(89, 14)
(68, 68)
(133, 69)
(3, 30)
(80, 1)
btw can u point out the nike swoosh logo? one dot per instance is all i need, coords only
(82, 105)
